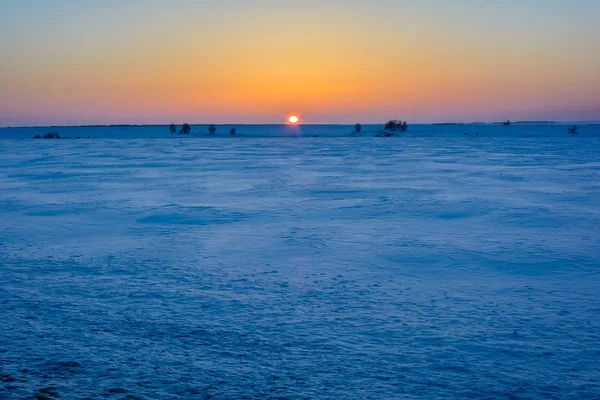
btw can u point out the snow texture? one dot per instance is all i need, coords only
(299, 131)
(334, 268)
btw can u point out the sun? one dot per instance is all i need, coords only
(293, 120)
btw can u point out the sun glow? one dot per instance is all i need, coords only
(293, 120)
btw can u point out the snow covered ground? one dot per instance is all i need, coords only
(335, 268)
(130, 132)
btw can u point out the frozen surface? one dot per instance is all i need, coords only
(339, 268)
(271, 131)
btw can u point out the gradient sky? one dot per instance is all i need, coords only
(330, 61)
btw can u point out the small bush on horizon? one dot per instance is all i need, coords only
(51, 135)
(396, 125)
(574, 130)
(172, 128)
(185, 129)
(357, 128)
(212, 129)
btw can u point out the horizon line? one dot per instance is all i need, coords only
(522, 122)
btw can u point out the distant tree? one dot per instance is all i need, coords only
(390, 125)
(212, 129)
(357, 128)
(172, 128)
(396, 125)
(574, 130)
(186, 129)
(233, 131)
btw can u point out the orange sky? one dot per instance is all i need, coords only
(329, 61)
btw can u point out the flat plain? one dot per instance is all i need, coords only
(382, 268)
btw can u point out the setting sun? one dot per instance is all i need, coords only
(294, 119)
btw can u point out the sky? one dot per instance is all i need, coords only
(73, 62)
